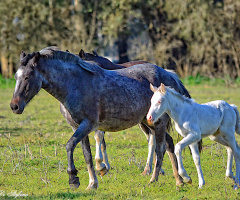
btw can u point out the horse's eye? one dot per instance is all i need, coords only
(159, 102)
(26, 78)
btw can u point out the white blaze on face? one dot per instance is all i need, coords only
(18, 74)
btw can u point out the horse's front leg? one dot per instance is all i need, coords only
(80, 134)
(101, 158)
(196, 159)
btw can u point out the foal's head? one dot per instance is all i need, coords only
(28, 82)
(158, 103)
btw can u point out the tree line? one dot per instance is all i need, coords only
(190, 36)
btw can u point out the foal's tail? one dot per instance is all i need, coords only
(238, 118)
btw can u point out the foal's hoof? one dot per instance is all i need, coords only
(103, 171)
(74, 183)
(188, 180)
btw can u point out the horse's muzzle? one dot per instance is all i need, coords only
(150, 120)
(17, 106)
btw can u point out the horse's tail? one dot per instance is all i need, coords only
(237, 129)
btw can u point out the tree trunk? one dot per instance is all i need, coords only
(122, 47)
(6, 67)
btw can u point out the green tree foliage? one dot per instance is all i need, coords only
(190, 36)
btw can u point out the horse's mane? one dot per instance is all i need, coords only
(175, 93)
(53, 52)
(179, 82)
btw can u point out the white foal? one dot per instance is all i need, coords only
(216, 119)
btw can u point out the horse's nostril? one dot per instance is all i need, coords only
(14, 107)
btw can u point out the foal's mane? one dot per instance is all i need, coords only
(175, 93)
(53, 52)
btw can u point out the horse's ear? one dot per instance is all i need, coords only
(22, 55)
(153, 88)
(82, 54)
(162, 88)
(36, 57)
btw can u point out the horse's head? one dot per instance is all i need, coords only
(28, 82)
(101, 61)
(158, 103)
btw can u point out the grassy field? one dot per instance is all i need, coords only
(33, 160)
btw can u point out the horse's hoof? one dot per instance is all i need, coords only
(103, 171)
(179, 183)
(231, 177)
(74, 183)
(162, 172)
(92, 186)
(235, 187)
(153, 180)
(146, 172)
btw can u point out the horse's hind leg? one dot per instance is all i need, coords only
(173, 159)
(105, 156)
(160, 151)
(101, 155)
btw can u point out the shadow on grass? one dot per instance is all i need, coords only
(13, 131)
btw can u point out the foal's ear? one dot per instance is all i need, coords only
(162, 88)
(82, 54)
(153, 88)
(22, 55)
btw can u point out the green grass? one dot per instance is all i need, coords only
(33, 158)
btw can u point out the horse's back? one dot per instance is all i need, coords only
(151, 73)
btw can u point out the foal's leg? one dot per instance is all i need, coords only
(229, 136)
(189, 139)
(218, 138)
(101, 167)
(196, 159)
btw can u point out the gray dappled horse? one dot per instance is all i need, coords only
(92, 98)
